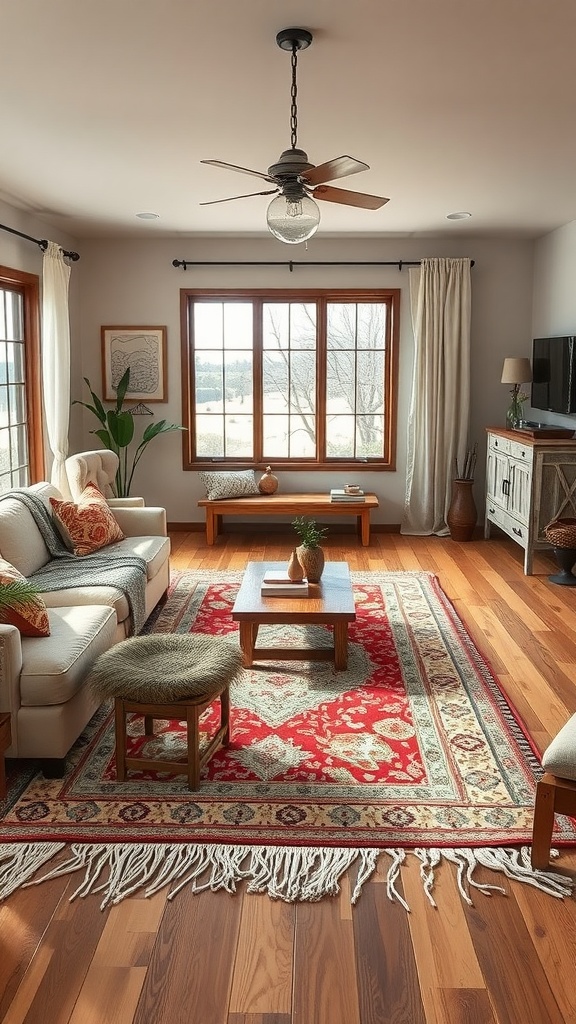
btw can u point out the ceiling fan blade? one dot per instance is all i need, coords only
(229, 199)
(347, 198)
(338, 168)
(234, 167)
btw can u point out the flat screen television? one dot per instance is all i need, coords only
(554, 374)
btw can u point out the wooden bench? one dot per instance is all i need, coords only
(288, 505)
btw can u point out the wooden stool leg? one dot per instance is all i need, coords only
(225, 715)
(543, 824)
(193, 725)
(120, 722)
(148, 725)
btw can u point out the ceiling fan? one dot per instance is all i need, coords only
(293, 216)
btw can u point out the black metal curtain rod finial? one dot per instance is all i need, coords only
(41, 242)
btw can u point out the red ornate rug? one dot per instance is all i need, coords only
(413, 748)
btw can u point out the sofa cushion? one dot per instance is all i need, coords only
(89, 525)
(54, 670)
(110, 596)
(560, 757)
(154, 551)
(21, 542)
(29, 613)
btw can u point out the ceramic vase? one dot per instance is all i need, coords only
(295, 570)
(312, 561)
(462, 514)
(268, 483)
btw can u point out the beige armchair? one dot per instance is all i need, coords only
(98, 467)
(555, 792)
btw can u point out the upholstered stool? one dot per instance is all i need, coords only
(168, 676)
(556, 791)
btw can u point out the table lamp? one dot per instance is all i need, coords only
(516, 372)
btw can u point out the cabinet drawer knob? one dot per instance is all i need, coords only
(517, 532)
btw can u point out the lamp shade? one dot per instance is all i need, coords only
(293, 219)
(516, 371)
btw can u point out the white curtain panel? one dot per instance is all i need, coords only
(438, 423)
(56, 359)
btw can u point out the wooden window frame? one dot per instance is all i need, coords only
(29, 287)
(389, 296)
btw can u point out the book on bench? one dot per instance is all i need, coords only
(291, 589)
(339, 494)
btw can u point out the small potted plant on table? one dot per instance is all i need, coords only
(310, 554)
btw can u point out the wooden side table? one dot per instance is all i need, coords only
(5, 741)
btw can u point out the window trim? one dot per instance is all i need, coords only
(29, 287)
(390, 295)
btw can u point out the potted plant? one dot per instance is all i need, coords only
(310, 554)
(117, 433)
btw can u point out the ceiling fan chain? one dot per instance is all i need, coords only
(293, 98)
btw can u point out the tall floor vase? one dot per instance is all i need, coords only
(462, 514)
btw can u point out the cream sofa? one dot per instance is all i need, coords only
(42, 679)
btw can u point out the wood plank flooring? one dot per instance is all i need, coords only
(234, 959)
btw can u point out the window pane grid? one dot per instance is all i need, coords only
(14, 447)
(301, 379)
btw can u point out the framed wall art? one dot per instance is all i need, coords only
(143, 349)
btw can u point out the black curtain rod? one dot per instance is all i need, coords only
(300, 263)
(42, 242)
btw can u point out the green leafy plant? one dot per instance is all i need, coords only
(309, 532)
(16, 594)
(117, 433)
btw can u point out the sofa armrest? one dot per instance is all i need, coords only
(10, 668)
(125, 502)
(141, 522)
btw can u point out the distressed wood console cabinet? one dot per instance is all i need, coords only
(288, 505)
(529, 482)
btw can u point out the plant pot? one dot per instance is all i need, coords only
(462, 514)
(565, 558)
(312, 561)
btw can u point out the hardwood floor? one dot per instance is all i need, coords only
(221, 959)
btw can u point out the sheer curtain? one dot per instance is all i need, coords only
(440, 296)
(56, 359)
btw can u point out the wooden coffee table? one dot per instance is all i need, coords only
(330, 603)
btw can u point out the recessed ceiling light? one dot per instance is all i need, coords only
(148, 216)
(462, 215)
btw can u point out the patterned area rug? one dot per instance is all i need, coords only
(413, 747)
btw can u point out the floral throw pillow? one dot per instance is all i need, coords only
(240, 484)
(18, 607)
(89, 525)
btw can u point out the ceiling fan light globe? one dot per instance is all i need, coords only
(293, 220)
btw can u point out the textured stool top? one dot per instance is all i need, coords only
(164, 667)
(560, 757)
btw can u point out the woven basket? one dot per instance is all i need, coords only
(561, 533)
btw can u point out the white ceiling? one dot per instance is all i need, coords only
(108, 106)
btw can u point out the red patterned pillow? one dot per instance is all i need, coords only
(19, 607)
(89, 525)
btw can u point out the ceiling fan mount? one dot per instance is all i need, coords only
(290, 38)
(293, 216)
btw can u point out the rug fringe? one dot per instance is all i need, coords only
(291, 874)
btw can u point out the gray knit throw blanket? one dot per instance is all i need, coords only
(105, 568)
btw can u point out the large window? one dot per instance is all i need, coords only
(21, 454)
(301, 379)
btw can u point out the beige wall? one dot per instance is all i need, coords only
(554, 298)
(134, 283)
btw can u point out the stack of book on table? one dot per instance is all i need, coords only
(343, 494)
(277, 583)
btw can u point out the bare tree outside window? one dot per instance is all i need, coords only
(301, 378)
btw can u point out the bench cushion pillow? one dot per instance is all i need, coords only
(18, 606)
(240, 484)
(89, 525)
